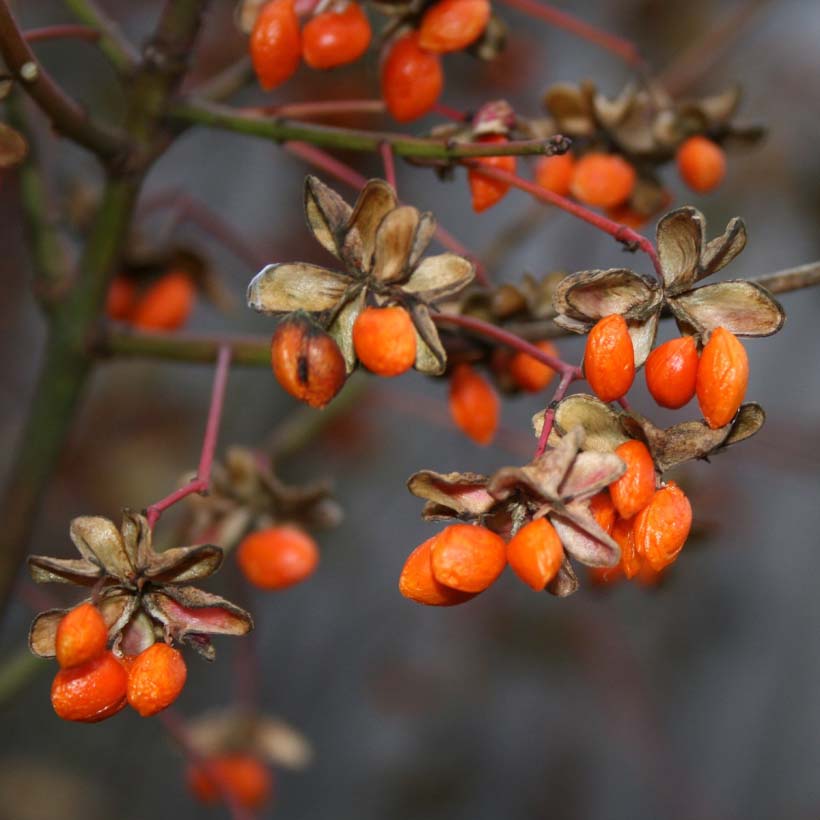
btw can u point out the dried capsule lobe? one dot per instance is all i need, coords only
(535, 553)
(723, 375)
(609, 358)
(671, 372)
(468, 558)
(634, 489)
(418, 583)
(662, 527)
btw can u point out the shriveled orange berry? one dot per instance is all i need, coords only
(90, 692)
(247, 779)
(634, 489)
(307, 361)
(276, 43)
(701, 164)
(336, 37)
(671, 372)
(662, 527)
(535, 553)
(417, 583)
(723, 375)
(167, 304)
(451, 25)
(122, 296)
(555, 173)
(411, 79)
(623, 533)
(156, 679)
(603, 510)
(81, 636)
(530, 374)
(278, 557)
(487, 192)
(385, 340)
(474, 404)
(602, 180)
(609, 358)
(467, 557)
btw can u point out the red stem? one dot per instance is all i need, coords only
(321, 159)
(561, 19)
(549, 415)
(203, 476)
(388, 160)
(62, 32)
(450, 113)
(616, 230)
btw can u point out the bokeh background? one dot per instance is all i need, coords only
(699, 699)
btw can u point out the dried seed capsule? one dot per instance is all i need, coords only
(451, 25)
(701, 164)
(467, 558)
(156, 679)
(91, 692)
(671, 372)
(634, 489)
(623, 533)
(247, 778)
(385, 340)
(81, 636)
(487, 192)
(602, 180)
(276, 43)
(411, 79)
(530, 374)
(307, 361)
(336, 37)
(609, 358)
(662, 527)
(723, 375)
(535, 553)
(278, 557)
(418, 584)
(555, 173)
(474, 404)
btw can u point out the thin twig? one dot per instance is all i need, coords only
(65, 31)
(116, 47)
(549, 415)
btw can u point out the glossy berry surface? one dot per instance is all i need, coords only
(451, 25)
(336, 37)
(609, 358)
(385, 340)
(81, 636)
(602, 180)
(634, 489)
(411, 79)
(701, 164)
(91, 692)
(418, 583)
(623, 533)
(156, 679)
(486, 192)
(474, 404)
(278, 557)
(662, 527)
(722, 379)
(671, 371)
(467, 558)
(535, 553)
(276, 43)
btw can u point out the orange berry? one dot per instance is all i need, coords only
(535, 553)
(603, 511)
(647, 576)
(467, 557)
(634, 489)
(385, 340)
(602, 180)
(276, 43)
(81, 636)
(530, 374)
(723, 375)
(609, 358)
(671, 372)
(451, 25)
(701, 164)
(411, 79)
(90, 692)
(307, 361)
(122, 296)
(166, 304)
(248, 780)
(662, 527)
(623, 533)
(474, 404)
(417, 583)
(487, 192)
(156, 679)
(555, 173)
(336, 37)
(278, 557)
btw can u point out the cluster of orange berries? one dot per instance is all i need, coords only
(675, 373)
(246, 778)
(93, 683)
(277, 557)
(165, 304)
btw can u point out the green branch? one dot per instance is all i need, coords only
(119, 51)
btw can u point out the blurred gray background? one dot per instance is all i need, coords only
(699, 699)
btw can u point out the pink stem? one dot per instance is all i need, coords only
(389, 163)
(549, 416)
(616, 230)
(561, 19)
(62, 32)
(203, 476)
(450, 113)
(331, 165)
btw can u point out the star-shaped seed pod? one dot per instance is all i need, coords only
(556, 485)
(380, 245)
(143, 595)
(745, 308)
(247, 495)
(607, 428)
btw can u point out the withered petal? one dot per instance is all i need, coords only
(565, 582)
(590, 473)
(431, 358)
(136, 636)
(462, 493)
(375, 201)
(438, 277)
(285, 287)
(643, 333)
(720, 251)
(136, 535)
(43, 632)
(591, 295)
(680, 238)
(341, 328)
(181, 565)
(583, 539)
(327, 214)
(744, 308)
(45, 569)
(749, 419)
(395, 238)
(117, 607)
(98, 539)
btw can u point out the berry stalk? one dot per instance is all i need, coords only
(567, 379)
(67, 31)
